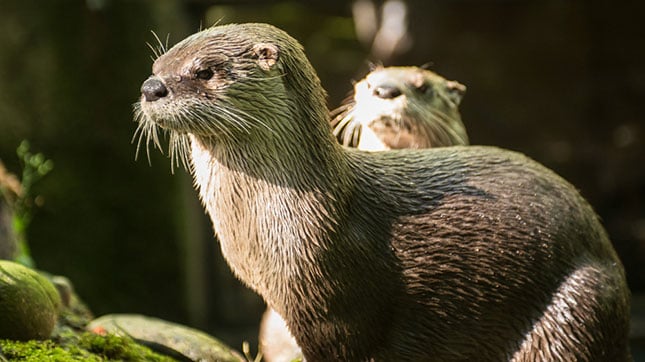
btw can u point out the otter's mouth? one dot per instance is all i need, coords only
(151, 114)
(153, 102)
(395, 124)
(148, 131)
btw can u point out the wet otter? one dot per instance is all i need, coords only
(453, 253)
(391, 108)
(401, 107)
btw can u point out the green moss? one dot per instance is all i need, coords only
(75, 315)
(29, 303)
(86, 346)
(113, 347)
(36, 351)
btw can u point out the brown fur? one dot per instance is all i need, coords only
(448, 254)
(390, 108)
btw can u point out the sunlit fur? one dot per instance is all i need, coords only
(445, 254)
(425, 115)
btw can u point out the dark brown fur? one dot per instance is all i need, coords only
(446, 254)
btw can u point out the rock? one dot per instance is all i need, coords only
(29, 303)
(74, 313)
(168, 338)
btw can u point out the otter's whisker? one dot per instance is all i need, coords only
(155, 53)
(239, 121)
(161, 48)
(244, 115)
(179, 150)
(139, 134)
(453, 130)
(201, 118)
(344, 129)
(340, 112)
(345, 126)
(145, 129)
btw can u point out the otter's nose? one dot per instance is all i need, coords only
(387, 91)
(153, 89)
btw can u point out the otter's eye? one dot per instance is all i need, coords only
(204, 74)
(423, 88)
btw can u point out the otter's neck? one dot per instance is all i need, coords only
(266, 203)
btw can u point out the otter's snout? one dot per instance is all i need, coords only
(387, 91)
(153, 89)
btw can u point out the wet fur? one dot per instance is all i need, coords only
(447, 254)
(424, 115)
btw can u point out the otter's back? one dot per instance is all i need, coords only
(486, 241)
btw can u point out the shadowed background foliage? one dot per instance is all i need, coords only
(563, 82)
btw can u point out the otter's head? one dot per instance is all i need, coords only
(402, 107)
(230, 84)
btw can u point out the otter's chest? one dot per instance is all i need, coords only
(262, 226)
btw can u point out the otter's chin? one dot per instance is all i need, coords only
(161, 123)
(154, 114)
(167, 125)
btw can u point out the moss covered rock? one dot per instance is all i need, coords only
(79, 347)
(180, 342)
(29, 303)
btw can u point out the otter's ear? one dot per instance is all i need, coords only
(456, 91)
(266, 54)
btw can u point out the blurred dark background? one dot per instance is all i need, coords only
(562, 81)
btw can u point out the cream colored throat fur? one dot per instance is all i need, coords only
(244, 209)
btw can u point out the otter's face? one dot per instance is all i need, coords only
(210, 85)
(198, 86)
(403, 107)
(395, 94)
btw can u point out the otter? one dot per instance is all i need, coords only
(448, 253)
(401, 107)
(390, 108)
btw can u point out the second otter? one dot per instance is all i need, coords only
(401, 107)
(453, 253)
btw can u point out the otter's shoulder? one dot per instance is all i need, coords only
(460, 171)
(454, 157)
